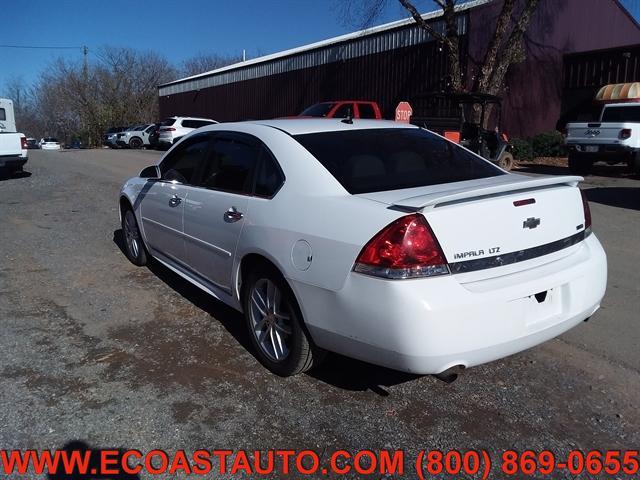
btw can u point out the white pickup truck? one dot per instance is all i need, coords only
(613, 139)
(13, 145)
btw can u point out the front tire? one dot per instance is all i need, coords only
(634, 163)
(275, 325)
(580, 165)
(136, 143)
(133, 246)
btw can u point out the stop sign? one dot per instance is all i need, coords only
(403, 112)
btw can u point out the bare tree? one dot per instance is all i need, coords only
(206, 62)
(504, 49)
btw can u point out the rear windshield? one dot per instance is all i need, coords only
(319, 110)
(51, 140)
(621, 114)
(378, 160)
(168, 122)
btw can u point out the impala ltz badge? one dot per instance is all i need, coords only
(531, 222)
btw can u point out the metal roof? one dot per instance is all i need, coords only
(344, 47)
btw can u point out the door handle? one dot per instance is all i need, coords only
(175, 201)
(232, 215)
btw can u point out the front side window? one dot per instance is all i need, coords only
(318, 110)
(375, 160)
(343, 111)
(230, 166)
(182, 163)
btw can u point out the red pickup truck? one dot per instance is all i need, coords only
(342, 108)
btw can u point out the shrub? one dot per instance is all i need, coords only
(522, 149)
(548, 144)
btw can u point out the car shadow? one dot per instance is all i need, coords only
(114, 457)
(14, 176)
(622, 197)
(339, 371)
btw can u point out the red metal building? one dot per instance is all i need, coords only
(572, 47)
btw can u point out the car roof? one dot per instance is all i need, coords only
(299, 126)
(625, 104)
(191, 118)
(317, 125)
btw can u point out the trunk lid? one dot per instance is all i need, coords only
(498, 221)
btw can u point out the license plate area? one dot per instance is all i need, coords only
(543, 309)
(591, 148)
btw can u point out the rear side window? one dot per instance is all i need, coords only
(621, 114)
(269, 177)
(377, 160)
(366, 110)
(182, 163)
(3, 114)
(230, 166)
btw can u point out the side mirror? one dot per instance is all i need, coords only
(151, 171)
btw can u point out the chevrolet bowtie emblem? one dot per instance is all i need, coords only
(531, 222)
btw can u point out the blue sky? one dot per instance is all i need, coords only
(178, 28)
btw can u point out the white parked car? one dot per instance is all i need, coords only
(136, 136)
(377, 240)
(173, 129)
(49, 143)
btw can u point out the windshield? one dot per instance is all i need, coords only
(377, 160)
(51, 140)
(318, 110)
(168, 122)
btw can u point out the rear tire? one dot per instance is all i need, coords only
(133, 245)
(580, 165)
(274, 322)
(506, 161)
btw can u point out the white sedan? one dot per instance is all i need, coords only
(49, 143)
(377, 240)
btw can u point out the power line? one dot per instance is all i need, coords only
(48, 47)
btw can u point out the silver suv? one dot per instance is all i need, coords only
(173, 129)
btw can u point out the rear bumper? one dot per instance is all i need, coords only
(604, 153)
(429, 325)
(13, 161)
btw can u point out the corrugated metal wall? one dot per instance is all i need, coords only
(585, 73)
(385, 67)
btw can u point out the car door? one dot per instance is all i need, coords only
(162, 207)
(215, 210)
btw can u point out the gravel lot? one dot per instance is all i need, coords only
(93, 349)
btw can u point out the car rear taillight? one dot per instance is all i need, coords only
(23, 143)
(624, 134)
(406, 248)
(587, 213)
(168, 129)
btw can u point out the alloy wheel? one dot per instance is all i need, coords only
(270, 320)
(131, 233)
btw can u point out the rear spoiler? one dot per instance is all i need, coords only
(511, 184)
